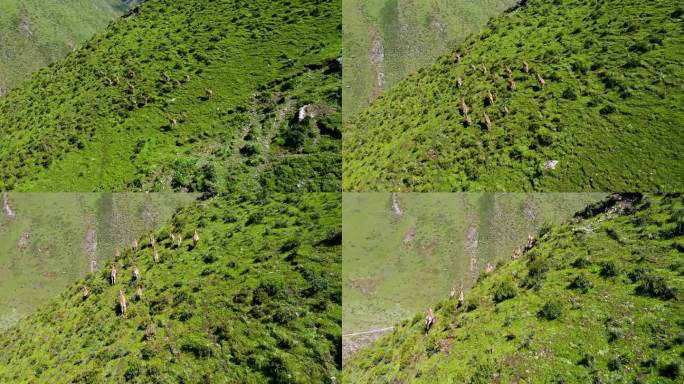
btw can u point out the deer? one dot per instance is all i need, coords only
(467, 120)
(541, 81)
(179, 241)
(461, 298)
(429, 320)
(508, 71)
(458, 57)
(489, 98)
(136, 273)
(453, 292)
(134, 245)
(86, 292)
(530, 240)
(464, 107)
(138, 293)
(459, 82)
(155, 253)
(173, 121)
(487, 121)
(489, 268)
(209, 94)
(504, 110)
(153, 241)
(511, 85)
(195, 238)
(122, 302)
(516, 253)
(526, 66)
(112, 275)
(172, 237)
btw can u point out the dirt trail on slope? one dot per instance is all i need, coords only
(376, 56)
(471, 247)
(9, 212)
(353, 342)
(395, 205)
(90, 244)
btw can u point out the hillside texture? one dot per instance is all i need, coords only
(185, 95)
(257, 300)
(608, 115)
(596, 300)
(385, 40)
(34, 33)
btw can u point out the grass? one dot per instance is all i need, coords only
(257, 300)
(58, 250)
(385, 40)
(622, 327)
(185, 96)
(385, 281)
(609, 113)
(35, 33)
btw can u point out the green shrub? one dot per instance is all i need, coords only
(504, 290)
(609, 269)
(551, 310)
(581, 282)
(569, 94)
(655, 286)
(671, 370)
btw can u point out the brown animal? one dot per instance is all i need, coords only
(152, 240)
(489, 268)
(172, 121)
(459, 82)
(458, 57)
(509, 72)
(540, 80)
(195, 238)
(464, 107)
(467, 120)
(136, 273)
(504, 110)
(209, 93)
(134, 245)
(179, 239)
(155, 252)
(489, 98)
(526, 67)
(487, 121)
(453, 292)
(516, 253)
(112, 275)
(122, 302)
(530, 240)
(172, 237)
(461, 299)
(138, 293)
(429, 320)
(86, 292)
(511, 85)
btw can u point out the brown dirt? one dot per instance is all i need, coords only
(471, 247)
(353, 342)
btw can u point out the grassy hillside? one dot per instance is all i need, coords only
(35, 33)
(185, 95)
(597, 299)
(609, 116)
(48, 241)
(385, 281)
(257, 300)
(385, 40)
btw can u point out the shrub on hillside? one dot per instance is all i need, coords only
(505, 290)
(609, 269)
(655, 286)
(551, 310)
(581, 282)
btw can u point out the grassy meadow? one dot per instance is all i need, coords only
(386, 40)
(607, 117)
(185, 96)
(51, 238)
(597, 299)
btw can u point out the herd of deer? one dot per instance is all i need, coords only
(175, 239)
(489, 97)
(430, 317)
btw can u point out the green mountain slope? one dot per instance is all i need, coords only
(48, 241)
(185, 95)
(34, 33)
(595, 300)
(609, 116)
(385, 40)
(257, 300)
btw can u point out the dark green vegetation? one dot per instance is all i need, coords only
(554, 315)
(385, 40)
(610, 112)
(34, 33)
(49, 240)
(257, 300)
(185, 95)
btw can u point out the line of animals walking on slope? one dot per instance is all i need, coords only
(174, 240)
(430, 318)
(489, 97)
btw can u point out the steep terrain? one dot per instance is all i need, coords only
(34, 33)
(185, 95)
(385, 40)
(257, 300)
(48, 241)
(597, 299)
(608, 115)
